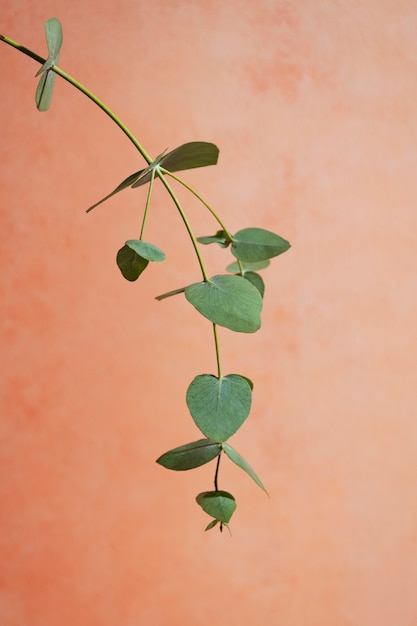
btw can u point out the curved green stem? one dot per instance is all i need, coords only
(85, 91)
(197, 195)
(186, 222)
(148, 201)
(216, 343)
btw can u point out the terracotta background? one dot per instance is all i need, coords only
(313, 106)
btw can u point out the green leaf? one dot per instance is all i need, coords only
(146, 250)
(256, 244)
(130, 263)
(212, 524)
(44, 90)
(190, 455)
(247, 267)
(256, 281)
(220, 238)
(219, 504)
(219, 406)
(189, 156)
(127, 182)
(240, 462)
(169, 294)
(229, 301)
(185, 157)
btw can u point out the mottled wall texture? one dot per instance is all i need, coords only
(313, 106)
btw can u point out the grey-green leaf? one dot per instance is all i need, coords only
(130, 263)
(247, 267)
(256, 281)
(44, 90)
(127, 182)
(190, 155)
(146, 250)
(220, 238)
(187, 156)
(190, 455)
(230, 301)
(256, 244)
(219, 406)
(240, 462)
(219, 504)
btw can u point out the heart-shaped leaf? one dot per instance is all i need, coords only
(256, 244)
(130, 263)
(146, 250)
(190, 455)
(219, 406)
(219, 504)
(230, 301)
(240, 462)
(44, 90)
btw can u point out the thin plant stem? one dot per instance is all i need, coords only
(197, 195)
(216, 474)
(216, 343)
(148, 201)
(187, 224)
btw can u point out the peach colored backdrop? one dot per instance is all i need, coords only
(313, 105)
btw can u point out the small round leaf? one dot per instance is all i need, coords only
(219, 504)
(146, 250)
(130, 263)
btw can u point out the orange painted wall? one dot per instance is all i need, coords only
(313, 105)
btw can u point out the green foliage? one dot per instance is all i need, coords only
(130, 263)
(252, 245)
(190, 455)
(219, 504)
(146, 250)
(228, 301)
(185, 157)
(219, 405)
(240, 462)
(45, 88)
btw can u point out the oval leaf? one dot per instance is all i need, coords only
(146, 250)
(130, 263)
(44, 90)
(219, 504)
(240, 462)
(190, 455)
(219, 406)
(247, 267)
(230, 301)
(190, 155)
(256, 244)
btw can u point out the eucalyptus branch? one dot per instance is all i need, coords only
(218, 405)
